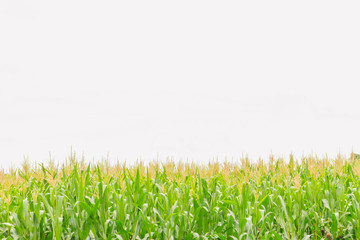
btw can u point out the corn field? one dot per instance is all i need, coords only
(309, 198)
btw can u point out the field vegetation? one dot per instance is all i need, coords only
(308, 198)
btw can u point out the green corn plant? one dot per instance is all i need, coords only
(305, 199)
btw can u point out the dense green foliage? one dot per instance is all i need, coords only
(277, 200)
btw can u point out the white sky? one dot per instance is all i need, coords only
(188, 79)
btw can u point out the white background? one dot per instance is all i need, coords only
(188, 79)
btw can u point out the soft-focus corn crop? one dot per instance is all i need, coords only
(313, 198)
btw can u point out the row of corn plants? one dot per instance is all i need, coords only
(309, 198)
